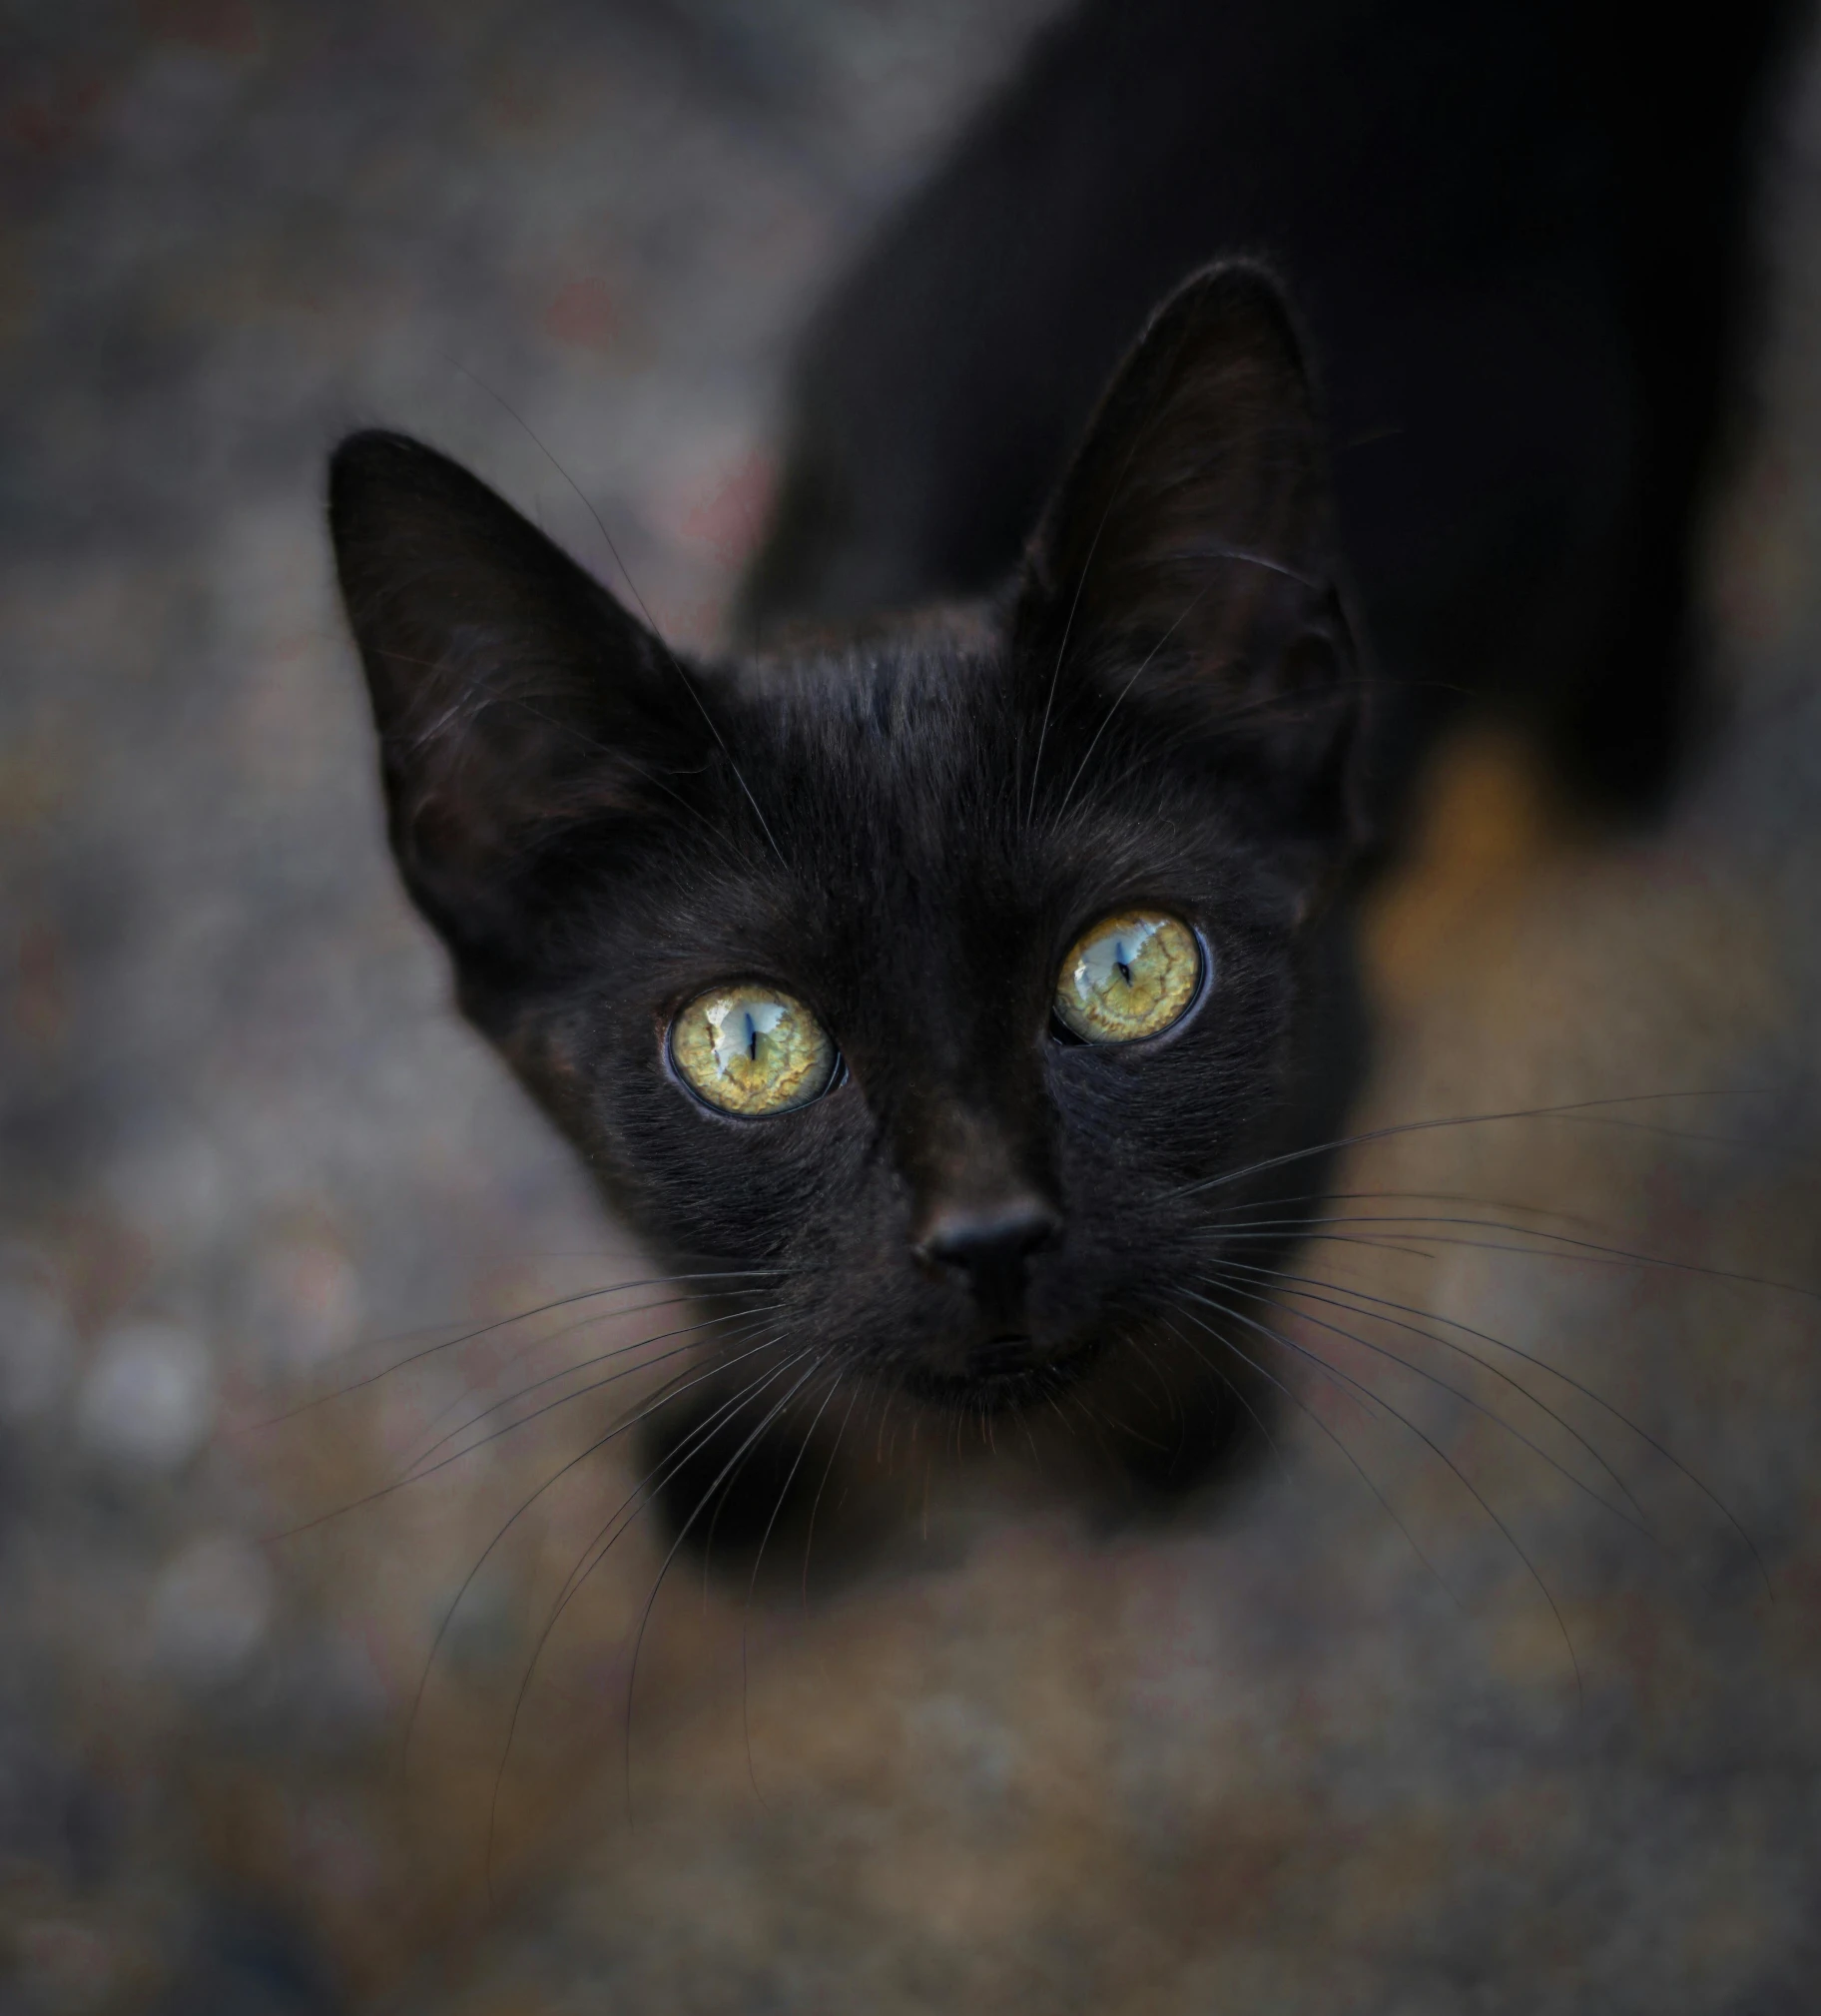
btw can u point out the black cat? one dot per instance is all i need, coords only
(950, 992)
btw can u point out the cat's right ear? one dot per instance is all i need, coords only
(1183, 581)
(518, 705)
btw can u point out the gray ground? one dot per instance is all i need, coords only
(1259, 1763)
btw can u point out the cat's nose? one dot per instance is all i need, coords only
(988, 1245)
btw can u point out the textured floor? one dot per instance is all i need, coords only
(1368, 1738)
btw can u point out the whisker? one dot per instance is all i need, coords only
(506, 1323)
(1597, 1254)
(764, 1540)
(1144, 665)
(1693, 1476)
(1139, 435)
(816, 1361)
(644, 1491)
(540, 1343)
(1593, 1251)
(1586, 1113)
(1587, 1392)
(1478, 1406)
(663, 1399)
(606, 1537)
(676, 663)
(1267, 710)
(1232, 1385)
(1238, 1213)
(828, 1471)
(1068, 627)
(422, 1476)
(1391, 1512)
(512, 1427)
(480, 687)
(691, 1329)
(573, 1588)
(1304, 1287)
(714, 1524)
(1442, 1455)
(567, 1399)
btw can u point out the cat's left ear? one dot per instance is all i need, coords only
(1182, 581)
(529, 725)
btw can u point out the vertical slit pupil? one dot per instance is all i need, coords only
(752, 1038)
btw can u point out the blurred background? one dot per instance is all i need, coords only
(250, 1159)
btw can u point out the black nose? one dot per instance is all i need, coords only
(989, 1244)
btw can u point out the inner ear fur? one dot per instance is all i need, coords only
(1185, 568)
(517, 702)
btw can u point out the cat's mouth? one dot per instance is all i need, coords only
(996, 1374)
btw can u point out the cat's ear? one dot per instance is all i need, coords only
(518, 705)
(1183, 573)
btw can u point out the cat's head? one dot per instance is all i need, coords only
(943, 969)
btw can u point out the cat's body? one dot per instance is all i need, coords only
(1514, 235)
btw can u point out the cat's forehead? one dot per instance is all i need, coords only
(912, 788)
(901, 735)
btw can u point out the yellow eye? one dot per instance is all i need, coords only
(1131, 976)
(749, 1050)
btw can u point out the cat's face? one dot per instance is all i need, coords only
(933, 976)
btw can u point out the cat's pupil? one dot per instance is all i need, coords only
(742, 1028)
